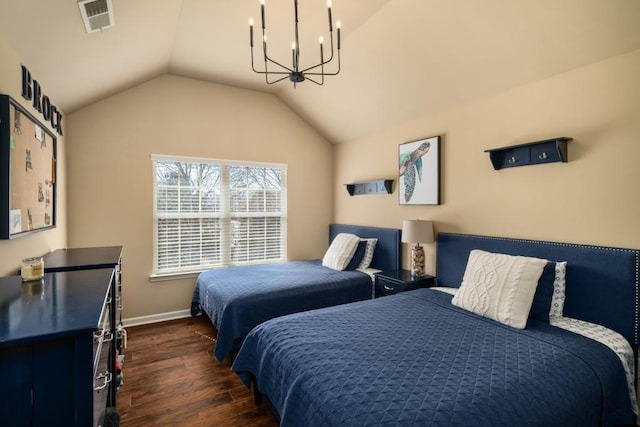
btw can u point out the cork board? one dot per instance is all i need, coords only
(31, 151)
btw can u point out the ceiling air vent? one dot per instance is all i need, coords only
(96, 14)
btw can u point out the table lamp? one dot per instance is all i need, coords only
(417, 231)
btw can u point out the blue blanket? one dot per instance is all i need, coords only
(237, 299)
(413, 359)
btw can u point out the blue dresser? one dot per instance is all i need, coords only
(55, 341)
(92, 258)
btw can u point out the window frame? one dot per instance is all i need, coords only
(225, 215)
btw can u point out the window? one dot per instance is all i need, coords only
(214, 213)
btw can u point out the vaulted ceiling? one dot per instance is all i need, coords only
(401, 59)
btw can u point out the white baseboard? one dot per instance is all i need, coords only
(154, 318)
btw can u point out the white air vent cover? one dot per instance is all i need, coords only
(96, 14)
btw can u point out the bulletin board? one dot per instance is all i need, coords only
(28, 187)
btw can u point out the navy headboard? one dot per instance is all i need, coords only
(602, 282)
(388, 253)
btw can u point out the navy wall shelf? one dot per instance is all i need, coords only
(532, 153)
(381, 186)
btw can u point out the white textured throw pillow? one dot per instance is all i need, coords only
(500, 287)
(341, 251)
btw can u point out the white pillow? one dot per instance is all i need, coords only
(341, 251)
(368, 252)
(559, 287)
(500, 287)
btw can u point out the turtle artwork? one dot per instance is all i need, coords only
(410, 166)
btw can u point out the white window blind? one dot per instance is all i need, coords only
(214, 213)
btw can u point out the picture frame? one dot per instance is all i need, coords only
(419, 172)
(28, 189)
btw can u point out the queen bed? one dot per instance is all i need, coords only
(429, 357)
(239, 298)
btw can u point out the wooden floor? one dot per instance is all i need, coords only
(171, 378)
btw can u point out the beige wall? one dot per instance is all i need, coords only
(110, 179)
(107, 169)
(13, 251)
(591, 199)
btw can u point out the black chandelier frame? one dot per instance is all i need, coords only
(294, 73)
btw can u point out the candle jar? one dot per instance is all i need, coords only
(32, 269)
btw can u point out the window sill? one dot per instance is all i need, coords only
(163, 277)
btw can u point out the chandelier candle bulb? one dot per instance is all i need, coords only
(293, 53)
(251, 31)
(338, 26)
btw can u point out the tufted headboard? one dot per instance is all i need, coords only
(388, 253)
(602, 282)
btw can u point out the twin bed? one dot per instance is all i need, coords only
(238, 299)
(425, 357)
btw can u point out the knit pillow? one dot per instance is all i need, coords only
(341, 251)
(500, 287)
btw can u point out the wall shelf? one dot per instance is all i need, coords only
(531, 153)
(381, 186)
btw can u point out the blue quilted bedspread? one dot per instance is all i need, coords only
(237, 299)
(413, 359)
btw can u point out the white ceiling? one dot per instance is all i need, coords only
(401, 59)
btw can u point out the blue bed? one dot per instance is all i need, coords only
(416, 359)
(237, 299)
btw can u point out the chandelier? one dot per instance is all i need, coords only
(295, 73)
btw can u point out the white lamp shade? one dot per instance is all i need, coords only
(417, 231)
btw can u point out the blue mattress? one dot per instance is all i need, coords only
(239, 298)
(415, 359)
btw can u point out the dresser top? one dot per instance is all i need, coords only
(82, 258)
(63, 303)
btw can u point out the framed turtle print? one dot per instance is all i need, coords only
(419, 172)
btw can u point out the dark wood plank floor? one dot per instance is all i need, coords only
(171, 378)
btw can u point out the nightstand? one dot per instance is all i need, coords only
(392, 282)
